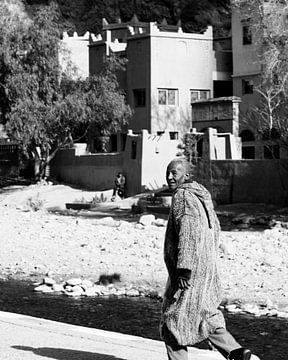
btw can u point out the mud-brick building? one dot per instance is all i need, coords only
(166, 70)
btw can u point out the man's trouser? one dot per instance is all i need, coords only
(221, 339)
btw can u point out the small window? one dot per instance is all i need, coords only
(162, 97)
(248, 152)
(247, 87)
(204, 94)
(139, 97)
(167, 96)
(171, 97)
(113, 140)
(247, 34)
(123, 141)
(194, 95)
(173, 135)
(199, 95)
(133, 149)
(247, 135)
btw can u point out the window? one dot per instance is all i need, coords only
(248, 152)
(247, 135)
(247, 87)
(139, 97)
(133, 149)
(167, 96)
(199, 95)
(174, 135)
(248, 149)
(113, 140)
(246, 34)
(123, 141)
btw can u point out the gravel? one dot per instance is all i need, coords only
(86, 244)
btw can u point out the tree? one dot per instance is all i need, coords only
(269, 30)
(13, 24)
(47, 107)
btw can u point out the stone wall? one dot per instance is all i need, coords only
(93, 171)
(143, 162)
(245, 181)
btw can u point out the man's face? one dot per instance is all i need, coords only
(176, 175)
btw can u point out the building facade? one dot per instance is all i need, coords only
(166, 70)
(247, 48)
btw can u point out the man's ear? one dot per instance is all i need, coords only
(187, 176)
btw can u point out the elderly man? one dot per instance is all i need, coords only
(193, 293)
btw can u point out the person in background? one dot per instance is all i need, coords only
(119, 186)
(192, 296)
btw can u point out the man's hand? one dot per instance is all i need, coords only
(183, 284)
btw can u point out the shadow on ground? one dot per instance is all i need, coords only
(65, 354)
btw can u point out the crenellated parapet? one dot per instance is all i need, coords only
(121, 31)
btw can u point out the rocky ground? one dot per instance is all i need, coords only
(39, 236)
(41, 239)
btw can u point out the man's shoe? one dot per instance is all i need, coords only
(240, 354)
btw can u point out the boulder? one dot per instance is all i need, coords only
(147, 220)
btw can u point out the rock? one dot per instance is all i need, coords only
(147, 220)
(154, 294)
(132, 293)
(49, 281)
(58, 288)
(282, 314)
(99, 289)
(267, 303)
(91, 292)
(77, 288)
(120, 292)
(74, 281)
(251, 309)
(86, 284)
(43, 288)
(108, 221)
(123, 225)
(273, 312)
(232, 308)
(159, 222)
(112, 291)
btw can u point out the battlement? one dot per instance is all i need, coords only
(120, 32)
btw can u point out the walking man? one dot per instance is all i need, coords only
(193, 292)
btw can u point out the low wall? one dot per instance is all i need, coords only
(94, 171)
(143, 163)
(245, 181)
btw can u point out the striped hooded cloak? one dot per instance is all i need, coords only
(191, 243)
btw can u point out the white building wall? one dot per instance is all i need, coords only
(246, 65)
(183, 62)
(77, 52)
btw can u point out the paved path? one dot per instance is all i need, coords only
(28, 338)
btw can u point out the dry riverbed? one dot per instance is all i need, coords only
(86, 244)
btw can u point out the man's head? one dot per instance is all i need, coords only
(177, 173)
